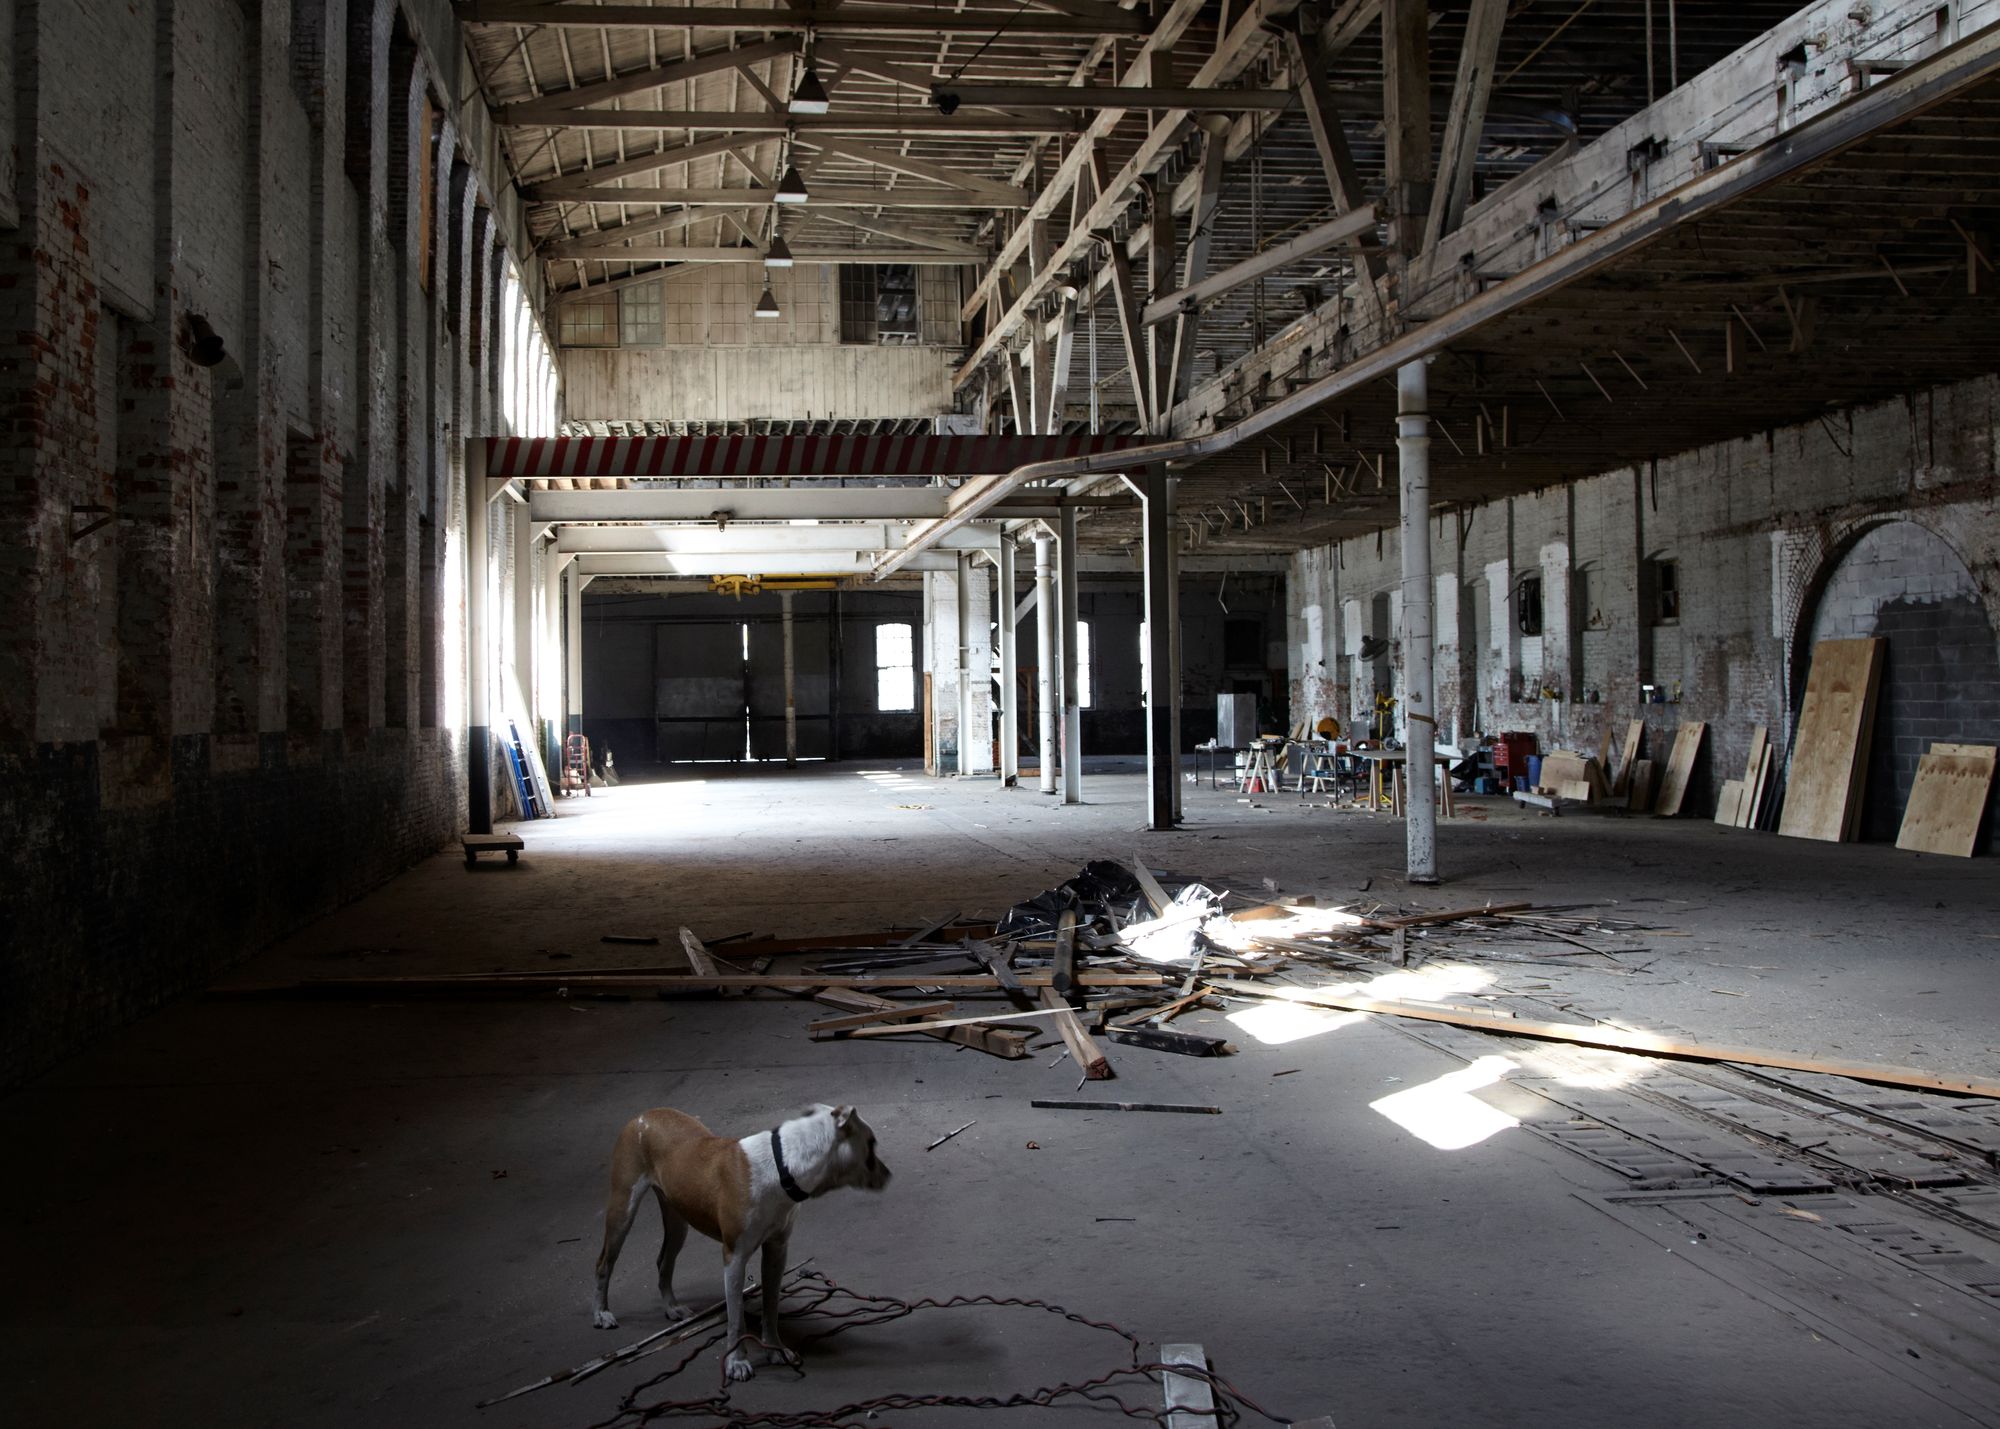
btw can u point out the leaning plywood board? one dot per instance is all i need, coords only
(1760, 740)
(1729, 805)
(1830, 753)
(1680, 769)
(1948, 800)
(1640, 795)
(1622, 776)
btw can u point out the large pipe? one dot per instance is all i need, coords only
(1072, 728)
(1045, 662)
(1010, 704)
(963, 602)
(1413, 453)
(791, 700)
(478, 638)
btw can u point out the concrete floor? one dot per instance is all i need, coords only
(265, 1212)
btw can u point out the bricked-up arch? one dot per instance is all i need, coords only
(1905, 583)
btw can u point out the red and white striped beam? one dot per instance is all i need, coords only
(855, 456)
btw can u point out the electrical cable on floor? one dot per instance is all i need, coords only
(851, 1309)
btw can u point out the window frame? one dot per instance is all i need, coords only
(908, 667)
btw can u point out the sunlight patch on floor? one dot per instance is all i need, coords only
(1444, 1113)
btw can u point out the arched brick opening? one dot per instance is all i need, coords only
(1941, 674)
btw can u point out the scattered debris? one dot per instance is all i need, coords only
(645, 938)
(949, 1135)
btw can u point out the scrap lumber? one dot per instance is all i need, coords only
(1680, 769)
(880, 1014)
(1621, 778)
(1830, 754)
(1163, 1039)
(1063, 1104)
(1753, 770)
(1008, 1042)
(1062, 967)
(1729, 804)
(1088, 1056)
(1619, 1039)
(1014, 1014)
(1948, 800)
(1419, 920)
(1155, 894)
(894, 939)
(666, 984)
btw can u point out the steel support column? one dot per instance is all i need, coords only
(1072, 727)
(548, 660)
(1413, 450)
(523, 591)
(1045, 662)
(574, 648)
(1162, 772)
(1010, 704)
(478, 643)
(791, 685)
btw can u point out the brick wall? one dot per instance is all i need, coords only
(1754, 529)
(228, 627)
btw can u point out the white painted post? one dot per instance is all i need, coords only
(577, 581)
(963, 595)
(1072, 734)
(1010, 704)
(1413, 449)
(1045, 661)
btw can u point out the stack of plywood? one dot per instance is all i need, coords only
(1948, 800)
(1573, 776)
(1742, 802)
(1830, 755)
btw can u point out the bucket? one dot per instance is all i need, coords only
(1534, 771)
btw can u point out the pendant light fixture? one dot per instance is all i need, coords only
(778, 253)
(767, 306)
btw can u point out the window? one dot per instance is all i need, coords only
(1528, 605)
(640, 315)
(1667, 592)
(878, 303)
(590, 322)
(895, 668)
(1083, 664)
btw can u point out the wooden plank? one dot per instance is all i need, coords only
(1621, 778)
(1829, 755)
(668, 983)
(1948, 800)
(1453, 915)
(1729, 805)
(1085, 1052)
(1190, 1402)
(1010, 1043)
(1640, 792)
(1012, 1015)
(1155, 894)
(1619, 1039)
(1680, 769)
(1062, 967)
(1753, 769)
(1760, 795)
(697, 955)
(879, 1014)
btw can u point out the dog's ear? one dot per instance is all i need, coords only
(842, 1115)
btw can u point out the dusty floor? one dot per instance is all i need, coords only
(379, 1213)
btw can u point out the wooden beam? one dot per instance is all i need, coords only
(1089, 1058)
(845, 121)
(1204, 100)
(668, 982)
(1314, 240)
(1406, 121)
(1002, 195)
(1061, 362)
(583, 179)
(557, 104)
(1125, 298)
(1159, 282)
(1466, 120)
(1343, 177)
(667, 253)
(1246, 37)
(761, 197)
(1008, 1042)
(821, 19)
(1194, 268)
(873, 1015)
(1644, 1043)
(1012, 1015)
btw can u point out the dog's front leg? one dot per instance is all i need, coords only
(773, 1272)
(738, 1364)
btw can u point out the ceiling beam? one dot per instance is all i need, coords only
(1002, 195)
(788, 503)
(761, 198)
(558, 104)
(822, 20)
(668, 253)
(1102, 96)
(752, 563)
(735, 539)
(1465, 121)
(1317, 239)
(763, 121)
(556, 188)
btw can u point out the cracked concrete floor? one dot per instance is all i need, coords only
(381, 1212)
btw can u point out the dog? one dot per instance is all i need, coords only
(744, 1194)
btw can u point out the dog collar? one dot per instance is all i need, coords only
(784, 1176)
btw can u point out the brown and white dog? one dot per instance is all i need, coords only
(744, 1193)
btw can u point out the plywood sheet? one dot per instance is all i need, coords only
(1621, 778)
(1680, 769)
(1729, 805)
(1829, 756)
(1948, 800)
(1746, 807)
(1641, 788)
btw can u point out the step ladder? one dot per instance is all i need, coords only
(576, 765)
